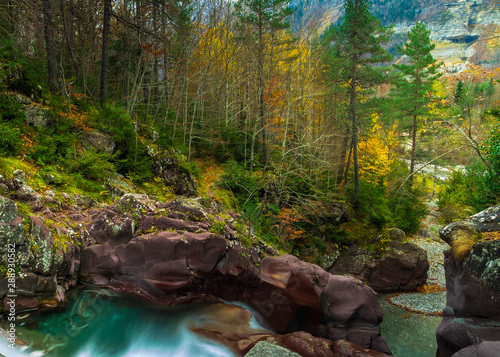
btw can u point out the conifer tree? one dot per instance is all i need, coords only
(357, 47)
(416, 80)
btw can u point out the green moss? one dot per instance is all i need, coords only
(218, 227)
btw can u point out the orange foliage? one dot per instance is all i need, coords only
(76, 117)
(288, 221)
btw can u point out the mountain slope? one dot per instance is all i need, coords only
(463, 30)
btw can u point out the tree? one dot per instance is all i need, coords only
(105, 52)
(265, 18)
(50, 45)
(416, 81)
(357, 47)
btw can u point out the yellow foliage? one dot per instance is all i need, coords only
(374, 155)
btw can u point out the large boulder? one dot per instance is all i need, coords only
(99, 140)
(178, 267)
(400, 266)
(472, 314)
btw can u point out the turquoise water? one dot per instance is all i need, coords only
(99, 324)
(408, 334)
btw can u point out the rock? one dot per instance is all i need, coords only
(100, 141)
(49, 179)
(230, 325)
(484, 349)
(117, 187)
(290, 295)
(11, 227)
(36, 115)
(403, 266)
(396, 234)
(171, 167)
(472, 314)
(266, 349)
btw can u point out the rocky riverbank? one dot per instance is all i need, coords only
(172, 253)
(471, 322)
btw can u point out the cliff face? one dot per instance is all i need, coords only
(460, 29)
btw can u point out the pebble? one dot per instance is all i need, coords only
(429, 303)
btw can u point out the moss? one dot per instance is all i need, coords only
(218, 227)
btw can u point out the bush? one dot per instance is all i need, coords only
(452, 201)
(408, 210)
(92, 164)
(132, 158)
(10, 139)
(54, 146)
(242, 183)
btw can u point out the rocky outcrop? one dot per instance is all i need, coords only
(291, 295)
(456, 26)
(167, 254)
(171, 253)
(171, 167)
(400, 266)
(230, 325)
(99, 140)
(471, 322)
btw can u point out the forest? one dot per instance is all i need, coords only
(281, 125)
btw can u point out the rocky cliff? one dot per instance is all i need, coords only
(471, 322)
(460, 29)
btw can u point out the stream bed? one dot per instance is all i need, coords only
(409, 334)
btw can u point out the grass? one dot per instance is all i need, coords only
(463, 240)
(8, 165)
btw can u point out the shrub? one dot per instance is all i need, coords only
(54, 146)
(132, 158)
(10, 139)
(408, 210)
(452, 200)
(92, 164)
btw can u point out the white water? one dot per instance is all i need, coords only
(99, 325)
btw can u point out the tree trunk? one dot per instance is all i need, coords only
(68, 35)
(343, 155)
(105, 52)
(50, 46)
(413, 138)
(354, 140)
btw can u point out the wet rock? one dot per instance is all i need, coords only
(472, 314)
(403, 266)
(291, 295)
(484, 349)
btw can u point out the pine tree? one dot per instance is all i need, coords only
(416, 80)
(357, 47)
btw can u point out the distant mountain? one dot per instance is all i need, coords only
(463, 30)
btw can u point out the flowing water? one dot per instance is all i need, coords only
(97, 323)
